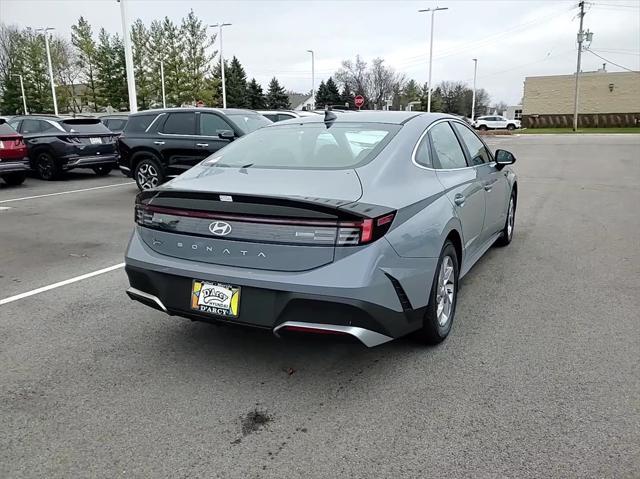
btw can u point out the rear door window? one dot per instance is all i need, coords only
(139, 123)
(212, 124)
(446, 147)
(284, 116)
(477, 151)
(30, 127)
(116, 124)
(182, 123)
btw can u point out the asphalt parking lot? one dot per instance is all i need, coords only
(539, 377)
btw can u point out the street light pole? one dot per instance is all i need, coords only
(224, 89)
(433, 11)
(24, 98)
(580, 40)
(164, 99)
(53, 87)
(313, 80)
(473, 98)
(128, 58)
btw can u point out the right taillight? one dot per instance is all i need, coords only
(354, 233)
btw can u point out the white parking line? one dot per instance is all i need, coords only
(11, 299)
(67, 192)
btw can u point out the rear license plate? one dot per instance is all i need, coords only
(95, 141)
(215, 298)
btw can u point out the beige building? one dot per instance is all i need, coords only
(606, 99)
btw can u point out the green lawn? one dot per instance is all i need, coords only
(529, 131)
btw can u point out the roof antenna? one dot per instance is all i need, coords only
(329, 116)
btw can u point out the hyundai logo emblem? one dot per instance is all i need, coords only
(220, 228)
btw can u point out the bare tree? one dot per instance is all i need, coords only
(354, 74)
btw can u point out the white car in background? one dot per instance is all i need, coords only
(495, 122)
(281, 115)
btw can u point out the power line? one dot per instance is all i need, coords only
(598, 4)
(613, 63)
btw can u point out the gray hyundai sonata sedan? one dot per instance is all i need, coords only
(359, 225)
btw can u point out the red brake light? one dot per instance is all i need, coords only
(366, 229)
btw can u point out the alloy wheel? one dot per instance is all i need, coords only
(511, 218)
(45, 167)
(445, 296)
(147, 176)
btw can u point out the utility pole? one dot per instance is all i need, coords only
(128, 58)
(224, 90)
(53, 87)
(164, 99)
(433, 11)
(580, 40)
(473, 98)
(313, 80)
(24, 98)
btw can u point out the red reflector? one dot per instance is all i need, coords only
(367, 231)
(385, 219)
(303, 329)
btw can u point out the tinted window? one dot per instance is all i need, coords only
(475, 147)
(84, 126)
(14, 124)
(46, 127)
(31, 126)
(139, 123)
(423, 153)
(284, 116)
(116, 124)
(180, 124)
(309, 145)
(211, 125)
(271, 116)
(446, 146)
(248, 122)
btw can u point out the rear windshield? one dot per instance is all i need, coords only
(139, 123)
(84, 126)
(307, 145)
(248, 122)
(5, 129)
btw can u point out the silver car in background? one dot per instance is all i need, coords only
(358, 225)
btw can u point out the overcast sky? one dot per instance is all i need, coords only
(511, 39)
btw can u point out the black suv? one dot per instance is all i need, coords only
(58, 144)
(161, 144)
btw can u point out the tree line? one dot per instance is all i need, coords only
(90, 74)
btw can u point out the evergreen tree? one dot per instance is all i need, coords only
(255, 96)
(142, 69)
(236, 85)
(36, 75)
(82, 40)
(277, 98)
(217, 82)
(111, 77)
(174, 64)
(156, 52)
(11, 44)
(346, 97)
(196, 41)
(321, 95)
(333, 95)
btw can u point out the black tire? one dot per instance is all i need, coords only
(46, 167)
(483, 127)
(434, 328)
(102, 170)
(507, 232)
(14, 179)
(511, 127)
(148, 173)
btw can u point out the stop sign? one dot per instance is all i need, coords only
(358, 101)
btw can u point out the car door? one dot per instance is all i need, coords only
(461, 183)
(176, 142)
(501, 122)
(209, 126)
(494, 181)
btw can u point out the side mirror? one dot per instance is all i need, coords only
(504, 158)
(226, 135)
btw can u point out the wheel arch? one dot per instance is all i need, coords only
(142, 152)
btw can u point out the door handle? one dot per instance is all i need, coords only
(158, 142)
(488, 187)
(202, 145)
(459, 200)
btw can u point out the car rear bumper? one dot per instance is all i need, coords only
(90, 161)
(371, 307)
(14, 166)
